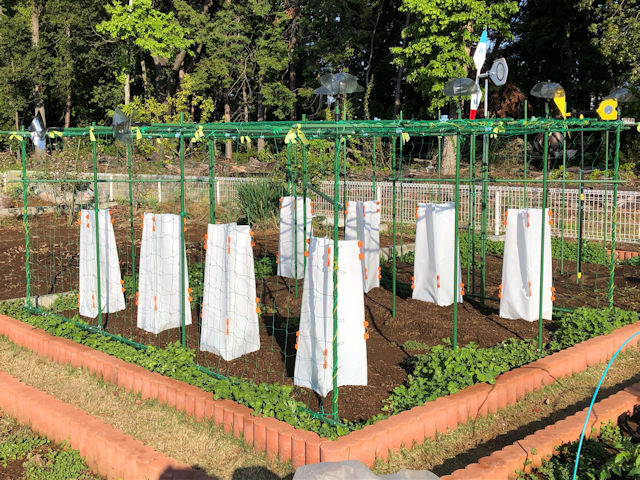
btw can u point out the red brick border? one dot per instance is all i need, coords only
(502, 464)
(623, 254)
(280, 439)
(106, 450)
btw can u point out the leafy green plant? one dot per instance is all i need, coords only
(259, 200)
(265, 267)
(61, 464)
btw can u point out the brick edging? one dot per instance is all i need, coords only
(502, 464)
(107, 450)
(279, 439)
(623, 254)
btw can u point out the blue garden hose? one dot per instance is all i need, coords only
(593, 399)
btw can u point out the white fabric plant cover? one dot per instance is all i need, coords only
(159, 304)
(363, 224)
(111, 289)
(433, 262)
(230, 308)
(291, 208)
(314, 358)
(520, 288)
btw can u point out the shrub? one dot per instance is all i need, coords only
(260, 200)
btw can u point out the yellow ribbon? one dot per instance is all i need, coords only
(54, 133)
(246, 140)
(405, 137)
(92, 137)
(296, 134)
(15, 136)
(138, 133)
(638, 128)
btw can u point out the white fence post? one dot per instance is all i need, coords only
(217, 191)
(159, 192)
(111, 188)
(496, 226)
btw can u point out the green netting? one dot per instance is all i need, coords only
(459, 160)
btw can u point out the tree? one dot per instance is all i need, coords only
(616, 33)
(151, 30)
(440, 35)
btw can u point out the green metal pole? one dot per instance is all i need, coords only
(606, 189)
(524, 188)
(305, 181)
(25, 218)
(484, 215)
(373, 165)
(393, 221)
(294, 183)
(564, 190)
(131, 230)
(471, 265)
(545, 156)
(439, 166)
(212, 180)
(182, 244)
(401, 197)
(336, 216)
(614, 216)
(94, 156)
(580, 210)
(456, 289)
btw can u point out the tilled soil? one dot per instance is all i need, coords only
(54, 265)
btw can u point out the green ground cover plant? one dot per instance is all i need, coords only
(41, 459)
(439, 371)
(610, 455)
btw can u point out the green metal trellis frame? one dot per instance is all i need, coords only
(338, 132)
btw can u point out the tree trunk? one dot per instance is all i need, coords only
(67, 108)
(260, 112)
(145, 78)
(160, 63)
(228, 148)
(127, 79)
(37, 88)
(449, 148)
(397, 102)
(293, 39)
(245, 104)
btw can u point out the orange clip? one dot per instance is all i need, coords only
(366, 277)
(153, 219)
(363, 211)
(325, 358)
(137, 297)
(227, 327)
(79, 218)
(500, 291)
(122, 283)
(438, 280)
(527, 219)
(297, 338)
(251, 233)
(277, 258)
(253, 244)
(461, 288)
(361, 256)
(377, 203)
(93, 301)
(306, 253)
(228, 244)
(529, 288)
(505, 219)
(328, 256)
(155, 302)
(553, 293)
(379, 272)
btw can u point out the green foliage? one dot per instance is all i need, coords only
(443, 370)
(149, 29)
(65, 302)
(610, 455)
(265, 267)
(440, 36)
(15, 446)
(259, 200)
(270, 400)
(62, 464)
(584, 323)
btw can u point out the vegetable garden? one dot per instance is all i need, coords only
(406, 359)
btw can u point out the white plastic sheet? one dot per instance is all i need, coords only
(355, 470)
(520, 288)
(111, 289)
(230, 308)
(314, 358)
(433, 262)
(159, 301)
(292, 239)
(363, 224)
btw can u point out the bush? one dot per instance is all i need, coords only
(260, 200)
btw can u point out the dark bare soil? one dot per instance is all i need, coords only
(54, 267)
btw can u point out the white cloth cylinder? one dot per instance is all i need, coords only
(314, 357)
(160, 305)
(363, 224)
(230, 308)
(291, 242)
(433, 262)
(111, 289)
(520, 287)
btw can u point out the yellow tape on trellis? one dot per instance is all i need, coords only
(15, 136)
(138, 133)
(246, 140)
(405, 137)
(92, 137)
(296, 134)
(54, 133)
